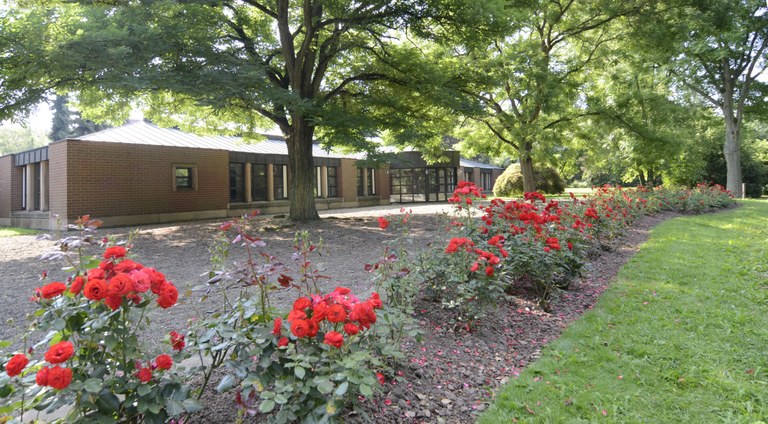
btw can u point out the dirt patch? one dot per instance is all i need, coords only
(450, 377)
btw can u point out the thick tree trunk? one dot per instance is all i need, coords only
(526, 167)
(732, 153)
(643, 181)
(301, 184)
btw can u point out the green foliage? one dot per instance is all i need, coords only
(14, 139)
(665, 329)
(69, 124)
(510, 182)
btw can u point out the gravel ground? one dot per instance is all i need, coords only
(448, 378)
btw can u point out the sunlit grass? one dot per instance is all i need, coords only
(679, 337)
(12, 231)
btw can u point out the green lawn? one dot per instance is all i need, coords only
(11, 231)
(680, 337)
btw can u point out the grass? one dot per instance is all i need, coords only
(680, 337)
(12, 231)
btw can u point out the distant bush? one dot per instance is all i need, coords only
(510, 183)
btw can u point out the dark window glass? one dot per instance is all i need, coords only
(38, 185)
(333, 190)
(360, 189)
(371, 181)
(236, 182)
(184, 177)
(279, 181)
(259, 181)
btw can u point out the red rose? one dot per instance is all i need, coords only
(363, 314)
(295, 314)
(77, 285)
(342, 290)
(177, 341)
(119, 285)
(16, 365)
(283, 342)
(164, 362)
(168, 297)
(300, 328)
(141, 281)
(334, 339)
(319, 312)
(351, 329)
(96, 274)
(277, 328)
(383, 223)
(114, 252)
(126, 266)
(314, 327)
(59, 352)
(41, 378)
(59, 378)
(336, 313)
(380, 378)
(52, 290)
(144, 374)
(489, 271)
(95, 289)
(301, 304)
(114, 301)
(376, 301)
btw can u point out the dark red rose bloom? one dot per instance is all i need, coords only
(77, 285)
(59, 378)
(380, 378)
(336, 313)
(16, 365)
(383, 223)
(168, 297)
(126, 266)
(363, 313)
(177, 341)
(114, 252)
(376, 301)
(351, 329)
(282, 342)
(296, 314)
(51, 290)
(277, 328)
(314, 327)
(96, 274)
(300, 328)
(334, 339)
(59, 352)
(119, 285)
(95, 289)
(41, 378)
(489, 271)
(342, 290)
(144, 375)
(301, 304)
(164, 362)
(319, 311)
(113, 301)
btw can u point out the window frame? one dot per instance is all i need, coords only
(192, 178)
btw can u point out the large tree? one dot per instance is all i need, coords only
(529, 80)
(719, 53)
(332, 70)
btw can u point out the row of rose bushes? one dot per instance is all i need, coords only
(314, 361)
(492, 249)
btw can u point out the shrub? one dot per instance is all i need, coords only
(510, 182)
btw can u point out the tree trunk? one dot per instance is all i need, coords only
(643, 181)
(651, 177)
(732, 153)
(526, 168)
(301, 184)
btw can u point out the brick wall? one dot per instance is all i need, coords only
(383, 185)
(6, 165)
(348, 180)
(115, 179)
(57, 179)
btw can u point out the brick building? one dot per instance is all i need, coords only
(141, 174)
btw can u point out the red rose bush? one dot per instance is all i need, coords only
(91, 359)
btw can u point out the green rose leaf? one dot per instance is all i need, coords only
(92, 385)
(267, 406)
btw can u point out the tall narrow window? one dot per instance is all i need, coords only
(333, 190)
(360, 187)
(236, 182)
(485, 178)
(371, 181)
(24, 188)
(280, 181)
(318, 181)
(259, 182)
(38, 186)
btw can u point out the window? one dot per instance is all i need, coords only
(318, 181)
(259, 182)
(185, 177)
(24, 188)
(280, 181)
(38, 186)
(371, 181)
(469, 175)
(360, 188)
(485, 182)
(333, 190)
(236, 182)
